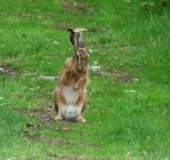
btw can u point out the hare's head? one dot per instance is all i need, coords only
(80, 54)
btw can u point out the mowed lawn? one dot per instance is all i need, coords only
(128, 107)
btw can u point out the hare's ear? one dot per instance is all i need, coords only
(80, 40)
(72, 37)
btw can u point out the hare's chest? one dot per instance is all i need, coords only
(70, 95)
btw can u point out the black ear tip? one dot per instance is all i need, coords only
(70, 30)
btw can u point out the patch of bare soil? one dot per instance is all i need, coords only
(45, 113)
(97, 30)
(74, 157)
(83, 7)
(58, 141)
(119, 75)
(7, 69)
(47, 139)
(62, 25)
(122, 76)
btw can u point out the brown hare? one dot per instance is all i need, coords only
(70, 93)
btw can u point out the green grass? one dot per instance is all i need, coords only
(128, 98)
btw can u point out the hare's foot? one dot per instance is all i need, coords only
(58, 118)
(81, 119)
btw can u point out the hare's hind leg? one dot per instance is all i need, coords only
(81, 102)
(59, 101)
(58, 116)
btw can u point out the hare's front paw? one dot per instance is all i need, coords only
(58, 118)
(76, 87)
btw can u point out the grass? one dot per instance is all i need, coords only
(128, 97)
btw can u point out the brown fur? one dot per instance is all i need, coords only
(74, 71)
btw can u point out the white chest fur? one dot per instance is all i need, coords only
(70, 95)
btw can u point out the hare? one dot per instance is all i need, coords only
(70, 93)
